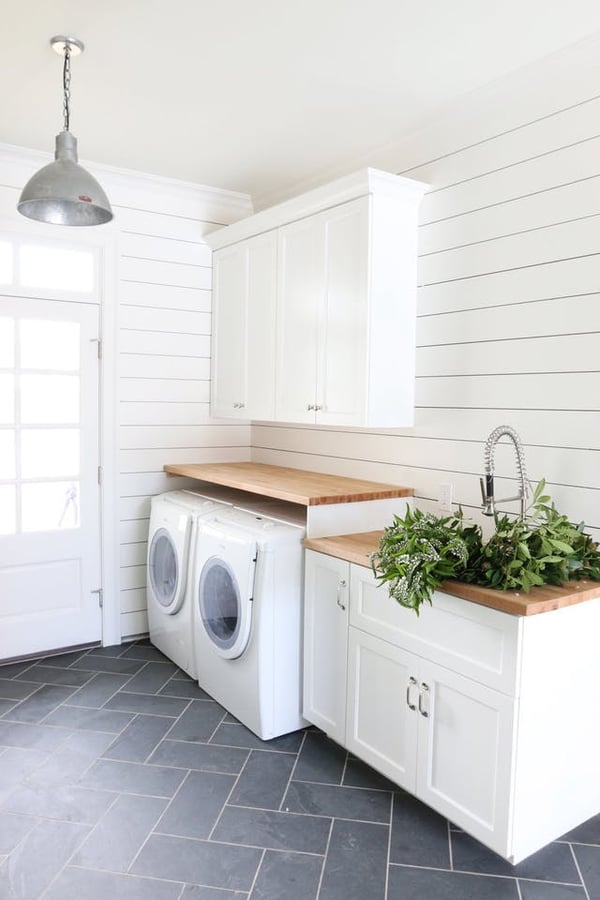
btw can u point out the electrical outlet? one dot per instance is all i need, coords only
(446, 497)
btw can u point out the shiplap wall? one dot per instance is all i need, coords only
(164, 376)
(159, 309)
(508, 325)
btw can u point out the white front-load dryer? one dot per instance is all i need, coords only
(247, 618)
(173, 519)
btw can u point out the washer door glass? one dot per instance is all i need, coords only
(163, 568)
(225, 617)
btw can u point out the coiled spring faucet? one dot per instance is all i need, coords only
(487, 484)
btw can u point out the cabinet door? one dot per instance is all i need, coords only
(260, 326)
(301, 257)
(465, 753)
(230, 286)
(343, 321)
(382, 716)
(325, 643)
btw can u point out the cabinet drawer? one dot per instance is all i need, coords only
(473, 640)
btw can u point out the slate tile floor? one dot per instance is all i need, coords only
(121, 780)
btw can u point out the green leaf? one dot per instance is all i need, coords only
(560, 545)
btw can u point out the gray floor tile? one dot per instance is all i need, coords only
(355, 867)
(96, 663)
(63, 660)
(13, 829)
(54, 675)
(273, 830)
(197, 892)
(85, 884)
(39, 858)
(146, 703)
(588, 859)
(418, 884)
(15, 765)
(139, 738)
(37, 707)
(197, 805)
(69, 763)
(338, 802)
(120, 833)
(264, 779)
(237, 735)
(112, 652)
(189, 690)
(98, 690)
(76, 717)
(13, 689)
(6, 706)
(552, 863)
(204, 757)
(198, 862)
(151, 678)
(359, 774)
(541, 890)
(38, 737)
(320, 759)
(143, 651)
(587, 833)
(65, 802)
(293, 876)
(198, 722)
(11, 670)
(419, 835)
(133, 778)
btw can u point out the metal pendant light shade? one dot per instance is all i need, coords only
(63, 192)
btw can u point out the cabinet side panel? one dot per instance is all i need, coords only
(557, 785)
(393, 285)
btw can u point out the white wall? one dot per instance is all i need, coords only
(156, 314)
(508, 325)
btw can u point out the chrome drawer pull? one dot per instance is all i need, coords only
(341, 586)
(424, 690)
(411, 683)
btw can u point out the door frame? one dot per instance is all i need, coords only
(104, 240)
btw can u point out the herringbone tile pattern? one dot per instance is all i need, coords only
(120, 778)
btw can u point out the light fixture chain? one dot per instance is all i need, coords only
(67, 86)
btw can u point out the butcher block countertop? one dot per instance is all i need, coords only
(294, 485)
(357, 548)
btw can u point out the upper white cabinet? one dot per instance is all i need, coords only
(243, 375)
(343, 314)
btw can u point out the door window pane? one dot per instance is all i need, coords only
(50, 506)
(57, 268)
(49, 453)
(49, 345)
(7, 399)
(6, 263)
(49, 399)
(7, 455)
(7, 343)
(8, 518)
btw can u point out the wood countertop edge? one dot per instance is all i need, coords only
(357, 548)
(238, 476)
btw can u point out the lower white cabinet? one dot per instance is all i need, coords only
(490, 719)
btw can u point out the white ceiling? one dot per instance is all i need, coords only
(260, 95)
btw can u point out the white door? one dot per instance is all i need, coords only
(229, 351)
(49, 494)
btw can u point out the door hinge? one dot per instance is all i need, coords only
(99, 474)
(100, 593)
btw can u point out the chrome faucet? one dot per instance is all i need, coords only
(487, 485)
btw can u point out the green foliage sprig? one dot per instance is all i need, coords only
(419, 551)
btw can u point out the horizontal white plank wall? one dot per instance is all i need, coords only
(508, 327)
(164, 344)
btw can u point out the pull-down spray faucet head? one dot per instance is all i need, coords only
(487, 484)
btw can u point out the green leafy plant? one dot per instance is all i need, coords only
(420, 551)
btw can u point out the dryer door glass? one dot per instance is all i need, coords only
(225, 617)
(163, 568)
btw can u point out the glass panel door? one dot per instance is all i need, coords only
(49, 503)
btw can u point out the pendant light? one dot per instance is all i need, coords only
(63, 192)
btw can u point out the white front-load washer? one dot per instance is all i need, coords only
(247, 618)
(173, 519)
